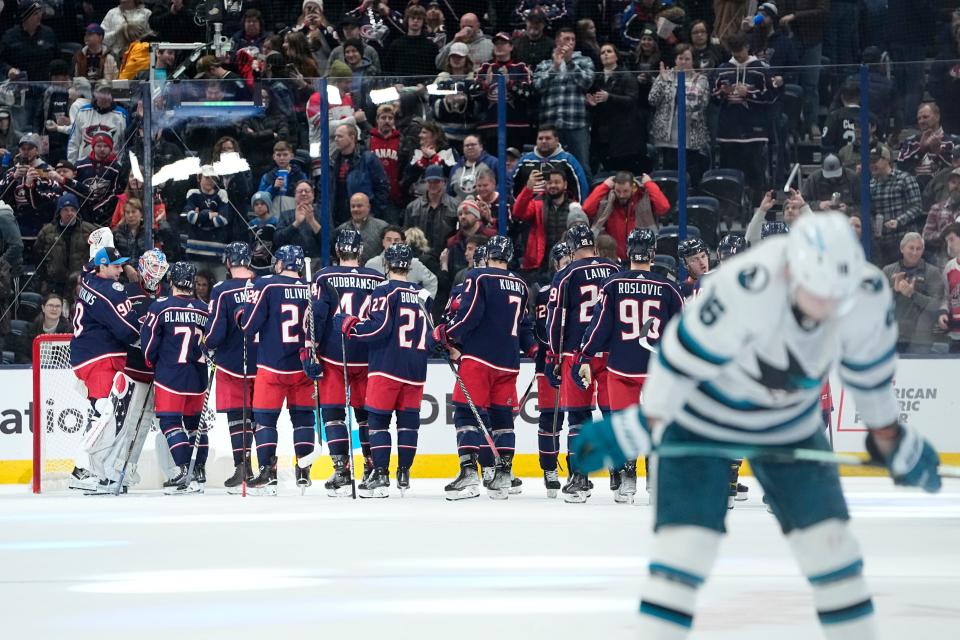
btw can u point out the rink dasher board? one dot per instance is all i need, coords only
(928, 401)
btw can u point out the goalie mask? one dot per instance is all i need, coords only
(99, 239)
(152, 267)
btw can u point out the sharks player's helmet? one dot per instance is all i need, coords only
(237, 254)
(825, 260)
(152, 267)
(775, 228)
(349, 241)
(183, 275)
(500, 248)
(730, 244)
(291, 257)
(641, 245)
(480, 256)
(399, 257)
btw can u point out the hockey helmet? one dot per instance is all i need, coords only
(237, 254)
(641, 245)
(99, 238)
(690, 247)
(290, 256)
(774, 228)
(500, 248)
(580, 236)
(560, 251)
(399, 257)
(183, 275)
(729, 245)
(152, 267)
(349, 241)
(480, 256)
(825, 258)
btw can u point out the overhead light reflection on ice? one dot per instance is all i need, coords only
(201, 581)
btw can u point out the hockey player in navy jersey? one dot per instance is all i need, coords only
(742, 366)
(345, 288)
(548, 437)
(171, 338)
(276, 309)
(695, 258)
(628, 300)
(729, 246)
(574, 293)
(490, 329)
(235, 356)
(397, 336)
(103, 328)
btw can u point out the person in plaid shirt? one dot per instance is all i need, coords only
(563, 82)
(941, 215)
(895, 197)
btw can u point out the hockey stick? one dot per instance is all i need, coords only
(422, 296)
(526, 394)
(133, 441)
(211, 370)
(556, 401)
(346, 390)
(308, 459)
(244, 413)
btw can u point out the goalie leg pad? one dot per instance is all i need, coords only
(829, 555)
(110, 412)
(408, 433)
(681, 560)
(137, 422)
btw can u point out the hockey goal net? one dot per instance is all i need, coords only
(60, 412)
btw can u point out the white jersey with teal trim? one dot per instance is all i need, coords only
(737, 365)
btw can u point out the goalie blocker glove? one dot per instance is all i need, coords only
(912, 463)
(611, 442)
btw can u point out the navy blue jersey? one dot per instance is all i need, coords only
(170, 337)
(574, 293)
(276, 308)
(352, 288)
(223, 330)
(691, 288)
(627, 301)
(540, 325)
(104, 324)
(396, 332)
(492, 323)
(453, 303)
(140, 300)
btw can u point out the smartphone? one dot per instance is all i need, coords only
(782, 196)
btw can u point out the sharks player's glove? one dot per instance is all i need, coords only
(611, 442)
(580, 371)
(913, 461)
(552, 370)
(346, 322)
(311, 368)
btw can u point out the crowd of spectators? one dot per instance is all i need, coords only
(590, 92)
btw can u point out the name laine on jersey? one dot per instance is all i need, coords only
(190, 317)
(601, 273)
(511, 285)
(299, 293)
(640, 288)
(353, 282)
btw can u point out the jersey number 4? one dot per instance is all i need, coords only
(634, 317)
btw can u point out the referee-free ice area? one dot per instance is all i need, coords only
(216, 566)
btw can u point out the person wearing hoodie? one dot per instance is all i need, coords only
(548, 151)
(363, 75)
(385, 145)
(103, 114)
(478, 43)
(742, 87)
(419, 274)
(463, 176)
(100, 178)
(413, 53)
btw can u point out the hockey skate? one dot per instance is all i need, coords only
(742, 491)
(200, 476)
(551, 480)
(499, 486)
(377, 485)
(403, 479)
(367, 468)
(105, 488)
(338, 485)
(182, 483)
(628, 484)
(303, 478)
(577, 489)
(487, 473)
(234, 483)
(467, 482)
(516, 485)
(83, 480)
(265, 484)
(615, 480)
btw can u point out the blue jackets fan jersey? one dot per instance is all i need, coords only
(103, 323)
(577, 288)
(170, 338)
(396, 333)
(223, 331)
(276, 308)
(140, 301)
(353, 287)
(627, 301)
(492, 324)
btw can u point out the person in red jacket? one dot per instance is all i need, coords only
(544, 203)
(623, 203)
(385, 144)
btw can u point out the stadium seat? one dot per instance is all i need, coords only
(667, 239)
(19, 327)
(727, 187)
(665, 265)
(28, 305)
(9, 357)
(669, 182)
(703, 212)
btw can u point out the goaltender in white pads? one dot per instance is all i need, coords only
(744, 364)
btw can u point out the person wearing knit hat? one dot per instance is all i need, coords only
(469, 225)
(575, 215)
(339, 69)
(100, 178)
(261, 196)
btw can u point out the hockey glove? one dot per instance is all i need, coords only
(439, 336)
(552, 370)
(532, 351)
(346, 322)
(609, 443)
(580, 371)
(912, 463)
(312, 368)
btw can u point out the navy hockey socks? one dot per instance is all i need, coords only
(408, 431)
(192, 424)
(548, 441)
(504, 437)
(235, 425)
(380, 440)
(266, 443)
(177, 440)
(577, 419)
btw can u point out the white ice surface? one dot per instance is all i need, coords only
(218, 566)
